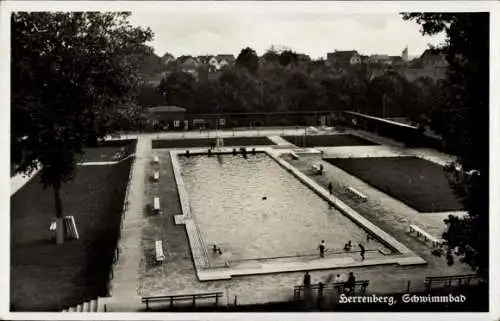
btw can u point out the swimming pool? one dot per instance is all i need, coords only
(254, 209)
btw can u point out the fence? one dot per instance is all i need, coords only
(116, 255)
(327, 293)
(449, 281)
(183, 297)
(234, 132)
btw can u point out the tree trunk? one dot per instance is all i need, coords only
(59, 214)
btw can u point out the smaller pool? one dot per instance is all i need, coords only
(253, 209)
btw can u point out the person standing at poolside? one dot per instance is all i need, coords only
(322, 248)
(350, 283)
(362, 251)
(307, 279)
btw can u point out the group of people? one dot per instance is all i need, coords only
(347, 248)
(347, 284)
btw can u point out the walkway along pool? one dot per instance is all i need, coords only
(265, 220)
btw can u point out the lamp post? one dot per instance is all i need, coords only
(305, 133)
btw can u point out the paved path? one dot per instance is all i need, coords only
(126, 270)
(19, 180)
(383, 210)
(213, 133)
(280, 141)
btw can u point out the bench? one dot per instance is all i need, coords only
(156, 176)
(156, 160)
(357, 194)
(420, 232)
(317, 169)
(160, 257)
(156, 204)
(294, 156)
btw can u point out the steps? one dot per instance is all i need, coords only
(85, 307)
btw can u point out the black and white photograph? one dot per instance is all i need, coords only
(197, 157)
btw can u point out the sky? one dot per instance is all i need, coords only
(312, 33)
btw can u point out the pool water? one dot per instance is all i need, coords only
(226, 195)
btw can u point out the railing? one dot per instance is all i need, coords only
(183, 297)
(321, 287)
(116, 255)
(448, 281)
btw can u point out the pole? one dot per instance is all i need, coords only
(384, 99)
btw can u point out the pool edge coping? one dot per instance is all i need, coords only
(200, 254)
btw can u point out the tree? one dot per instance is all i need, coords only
(466, 102)
(70, 72)
(148, 96)
(177, 89)
(288, 57)
(248, 59)
(271, 56)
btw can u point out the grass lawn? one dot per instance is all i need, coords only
(416, 182)
(107, 150)
(205, 142)
(50, 277)
(328, 140)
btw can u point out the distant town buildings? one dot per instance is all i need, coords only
(432, 59)
(430, 64)
(342, 58)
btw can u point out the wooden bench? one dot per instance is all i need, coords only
(420, 232)
(357, 194)
(317, 169)
(183, 297)
(156, 176)
(156, 204)
(160, 256)
(156, 160)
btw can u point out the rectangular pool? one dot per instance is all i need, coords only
(227, 194)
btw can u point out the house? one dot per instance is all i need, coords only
(380, 59)
(433, 59)
(350, 57)
(225, 60)
(204, 59)
(188, 64)
(397, 61)
(188, 60)
(303, 58)
(168, 116)
(365, 59)
(209, 61)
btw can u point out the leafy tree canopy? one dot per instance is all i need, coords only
(248, 59)
(466, 134)
(70, 73)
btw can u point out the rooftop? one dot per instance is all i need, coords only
(167, 109)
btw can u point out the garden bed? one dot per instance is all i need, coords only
(109, 151)
(328, 140)
(416, 182)
(205, 142)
